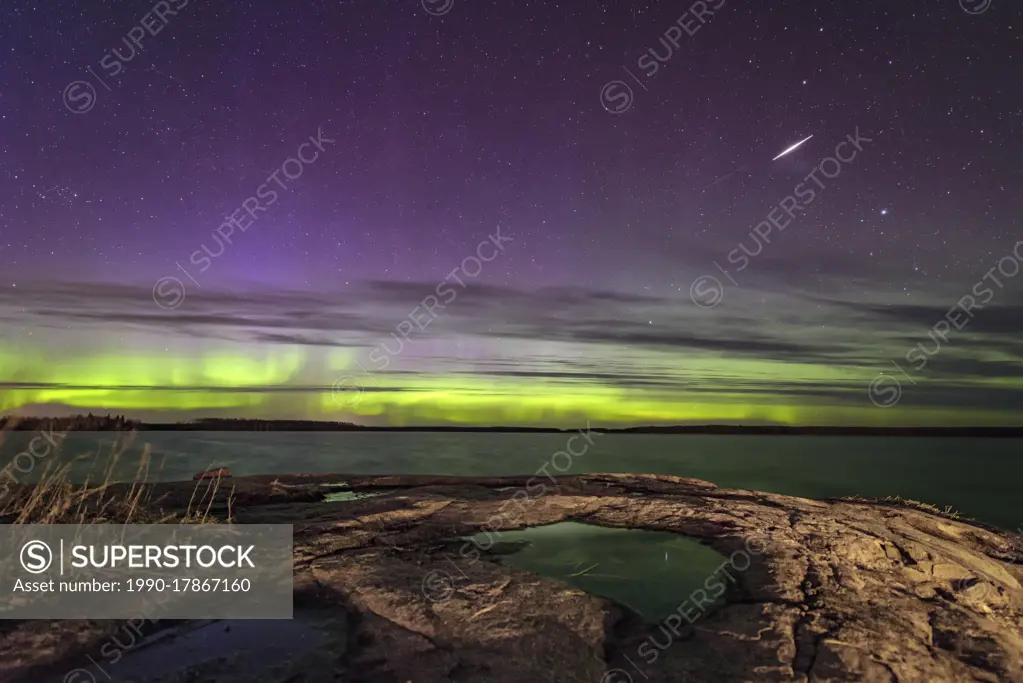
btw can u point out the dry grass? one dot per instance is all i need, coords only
(55, 499)
(947, 511)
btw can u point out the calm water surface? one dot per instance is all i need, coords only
(653, 572)
(979, 477)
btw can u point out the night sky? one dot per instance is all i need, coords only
(529, 213)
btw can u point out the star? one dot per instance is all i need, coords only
(509, 295)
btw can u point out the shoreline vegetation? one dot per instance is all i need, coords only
(101, 499)
(118, 423)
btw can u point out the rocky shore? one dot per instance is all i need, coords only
(819, 590)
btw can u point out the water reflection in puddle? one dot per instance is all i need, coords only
(339, 492)
(339, 496)
(230, 651)
(650, 571)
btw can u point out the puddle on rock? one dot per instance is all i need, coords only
(339, 493)
(340, 496)
(229, 651)
(652, 572)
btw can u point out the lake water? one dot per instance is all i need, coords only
(980, 478)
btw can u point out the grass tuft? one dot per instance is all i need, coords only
(947, 511)
(100, 499)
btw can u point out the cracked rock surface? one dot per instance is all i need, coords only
(823, 590)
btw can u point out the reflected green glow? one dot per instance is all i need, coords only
(652, 572)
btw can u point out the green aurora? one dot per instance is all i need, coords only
(282, 382)
(499, 356)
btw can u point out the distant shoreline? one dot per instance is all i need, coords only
(103, 424)
(993, 432)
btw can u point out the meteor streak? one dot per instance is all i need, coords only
(746, 167)
(791, 148)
